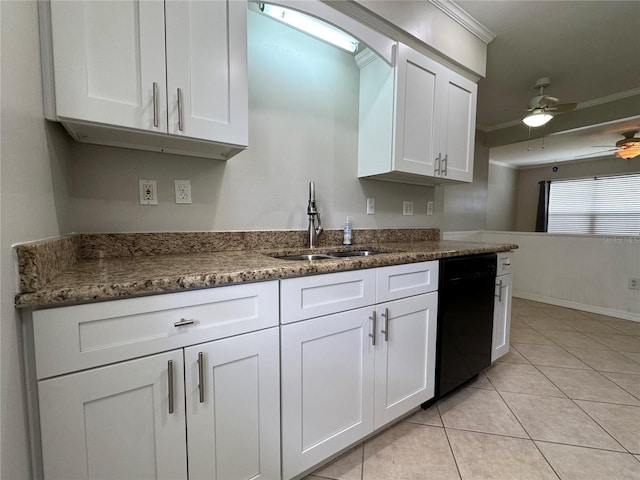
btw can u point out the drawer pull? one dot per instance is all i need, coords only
(184, 322)
(373, 335)
(386, 325)
(201, 376)
(170, 380)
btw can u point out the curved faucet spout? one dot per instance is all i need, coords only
(312, 211)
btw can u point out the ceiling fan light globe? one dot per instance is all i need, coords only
(630, 150)
(537, 119)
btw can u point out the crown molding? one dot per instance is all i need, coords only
(460, 16)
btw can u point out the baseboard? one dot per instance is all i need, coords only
(635, 317)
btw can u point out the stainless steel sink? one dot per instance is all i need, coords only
(328, 256)
(357, 253)
(313, 256)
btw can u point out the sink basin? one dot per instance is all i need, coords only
(327, 256)
(314, 256)
(357, 253)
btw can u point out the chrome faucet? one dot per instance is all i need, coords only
(312, 211)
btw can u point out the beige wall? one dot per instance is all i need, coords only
(585, 272)
(464, 206)
(501, 199)
(29, 162)
(528, 178)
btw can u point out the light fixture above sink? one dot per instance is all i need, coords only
(311, 26)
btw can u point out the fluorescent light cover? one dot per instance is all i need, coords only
(537, 118)
(312, 26)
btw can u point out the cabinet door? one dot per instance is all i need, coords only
(457, 135)
(418, 103)
(115, 422)
(207, 70)
(234, 427)
(108, 56)
(327, 387)
(502, 316)
(405, 356)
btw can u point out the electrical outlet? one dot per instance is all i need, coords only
(183, 191)
(371, 206)
(634, 284)
(407, 208)
(148, 192)
(429, 208)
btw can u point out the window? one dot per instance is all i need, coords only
(600, 205)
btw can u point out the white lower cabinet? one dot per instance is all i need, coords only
(405, 356)
(116, 422)
(233, 407)
(348, 373)
(327, 387)
(204, 410)
(502, 307)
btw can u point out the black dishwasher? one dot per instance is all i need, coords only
(465, 319)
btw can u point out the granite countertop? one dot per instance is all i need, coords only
(107, 277)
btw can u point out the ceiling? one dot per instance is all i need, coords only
(589, 49)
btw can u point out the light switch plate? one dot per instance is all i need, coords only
(371, 206)
(407, 208)
(429, 208)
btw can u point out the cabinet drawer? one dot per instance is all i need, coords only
(401, 281)
(503, 266)
(74, 338)
(308, 297)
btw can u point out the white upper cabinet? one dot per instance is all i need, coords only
(457, 128)
(166, 76)
(206, 72)
(417, 120)
(107, 57)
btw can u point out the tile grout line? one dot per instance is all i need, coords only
(586, 413)
(453, 455)
(585, 399)
(602, 426)
(525, 430)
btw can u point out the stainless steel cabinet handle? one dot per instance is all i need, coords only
(386, 325)
(500, 287)
(155, 104)
(445, 161)
(374, 318)
(184, 322)
(180, 125)
(201, 376)
(436, 165)
(170, 380)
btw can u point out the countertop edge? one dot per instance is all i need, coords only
(274, 270)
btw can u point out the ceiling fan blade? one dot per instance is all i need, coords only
(563, 107)
(594, 154)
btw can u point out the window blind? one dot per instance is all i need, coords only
(600, 205)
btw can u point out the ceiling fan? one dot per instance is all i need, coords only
(543, 107)
(628, 147)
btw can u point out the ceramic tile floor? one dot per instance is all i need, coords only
(564, 403)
